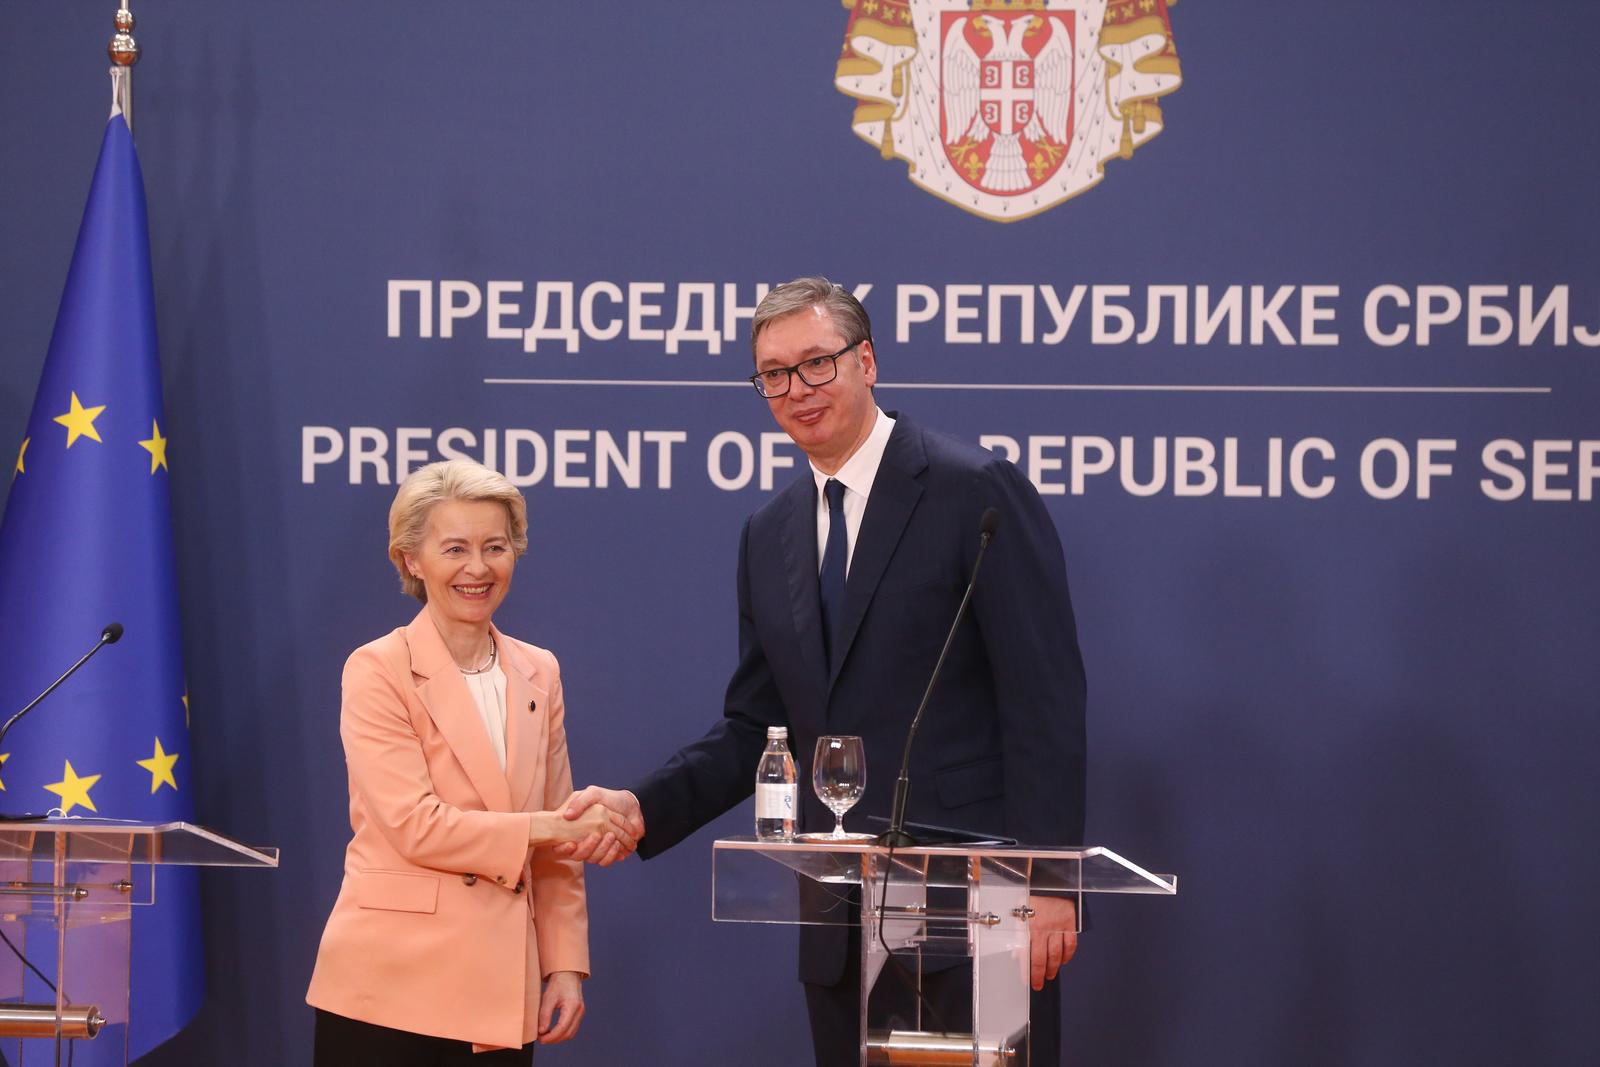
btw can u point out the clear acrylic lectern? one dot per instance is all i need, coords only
(68, 888)
(932, 909)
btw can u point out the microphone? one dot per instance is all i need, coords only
(895, 836)
(987, 526)
(108, 636)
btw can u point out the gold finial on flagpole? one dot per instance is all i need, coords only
(124, 52)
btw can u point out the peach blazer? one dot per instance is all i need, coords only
(446, 922)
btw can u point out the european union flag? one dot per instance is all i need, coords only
(87, 540)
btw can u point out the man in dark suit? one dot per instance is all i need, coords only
(831, 650)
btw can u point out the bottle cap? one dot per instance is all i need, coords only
(777, 733)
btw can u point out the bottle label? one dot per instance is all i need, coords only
(775, 801)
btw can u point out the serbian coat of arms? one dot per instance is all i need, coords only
(1007, 107)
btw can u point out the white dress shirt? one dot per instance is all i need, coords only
(857, 476)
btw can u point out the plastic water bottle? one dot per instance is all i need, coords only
(776, 791)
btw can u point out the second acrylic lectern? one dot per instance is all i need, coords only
(923, 911)
(68, 888)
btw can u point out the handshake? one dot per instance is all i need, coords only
(604, 826)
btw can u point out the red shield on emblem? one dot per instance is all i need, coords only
(1006, 101)
(1007, 94)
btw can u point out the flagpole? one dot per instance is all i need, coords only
(124, 52)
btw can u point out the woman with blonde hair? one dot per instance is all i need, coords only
(458, 936)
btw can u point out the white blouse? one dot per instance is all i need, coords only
(488, 689)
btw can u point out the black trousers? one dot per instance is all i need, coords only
(835, 1013)
(342, 1042)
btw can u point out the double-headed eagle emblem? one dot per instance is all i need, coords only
(1007, 107)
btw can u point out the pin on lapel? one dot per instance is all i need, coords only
(533, 705)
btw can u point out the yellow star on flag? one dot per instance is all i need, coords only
(156, 446)
(160, 768)
(23, 451)
(73, 790)
(186, 711)
(80, 421)
(3, 757)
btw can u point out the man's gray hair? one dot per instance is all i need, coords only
(849, 317)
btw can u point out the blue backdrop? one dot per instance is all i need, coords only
(1357, 716)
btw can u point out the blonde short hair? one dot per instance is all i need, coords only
(456, 479)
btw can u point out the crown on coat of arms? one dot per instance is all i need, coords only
(1008, 5)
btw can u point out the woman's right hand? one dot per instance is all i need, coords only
(597, 822)
(599, 819)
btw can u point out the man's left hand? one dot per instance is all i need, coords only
(1053, 932)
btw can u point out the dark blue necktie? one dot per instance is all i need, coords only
(835, 555)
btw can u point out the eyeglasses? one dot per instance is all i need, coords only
(818, 370)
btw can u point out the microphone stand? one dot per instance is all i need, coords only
(895, 836)
(109, 636)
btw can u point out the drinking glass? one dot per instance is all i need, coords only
(839, 775)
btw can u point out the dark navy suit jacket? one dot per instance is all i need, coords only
(1001, 748)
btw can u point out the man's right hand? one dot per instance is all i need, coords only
(595, 849)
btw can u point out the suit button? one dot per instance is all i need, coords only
(500, 878)
(519, 887)
(469, 879)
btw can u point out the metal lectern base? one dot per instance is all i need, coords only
(925, 1048)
